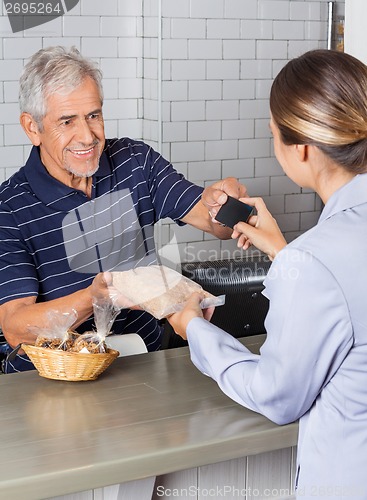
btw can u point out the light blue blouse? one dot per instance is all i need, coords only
(313, 364)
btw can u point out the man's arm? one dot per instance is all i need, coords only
(18, 317)
(203, 213)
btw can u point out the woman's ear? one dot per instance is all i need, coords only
(30, 127)
(302, 152)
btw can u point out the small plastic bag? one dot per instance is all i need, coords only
(159, 290)
(58, 335)
(94, 341)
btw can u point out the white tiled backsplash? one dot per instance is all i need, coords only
(190, 77)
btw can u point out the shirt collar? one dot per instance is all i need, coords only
(47, 188)
(348, 196)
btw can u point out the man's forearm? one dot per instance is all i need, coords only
(20, 319)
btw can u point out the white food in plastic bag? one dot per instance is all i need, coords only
(159, 290)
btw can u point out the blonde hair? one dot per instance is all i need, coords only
(320, 98)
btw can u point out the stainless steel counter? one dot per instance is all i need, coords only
(147, 415)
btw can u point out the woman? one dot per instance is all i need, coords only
(313, 364)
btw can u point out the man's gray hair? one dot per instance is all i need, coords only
(50, 70)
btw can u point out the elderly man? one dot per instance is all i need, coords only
(83, 204)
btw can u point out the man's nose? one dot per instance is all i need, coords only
(84, 133)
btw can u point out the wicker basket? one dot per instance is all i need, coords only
(72, 366)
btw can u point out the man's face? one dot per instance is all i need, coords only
(73, 137)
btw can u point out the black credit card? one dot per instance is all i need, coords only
(233, 211)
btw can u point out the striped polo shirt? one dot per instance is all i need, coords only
(54, 239)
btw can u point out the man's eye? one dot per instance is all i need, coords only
(66, 122)
(93, 116)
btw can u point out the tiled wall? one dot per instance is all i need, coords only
(192, 78)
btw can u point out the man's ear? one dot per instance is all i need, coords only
(30, 127)
(302, 152)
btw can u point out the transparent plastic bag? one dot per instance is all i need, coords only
(159, 290)
(58, 334)
(94, 341)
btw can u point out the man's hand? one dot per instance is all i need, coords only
(180, 320)
(102, 290)
(202, 215)
(216, 195)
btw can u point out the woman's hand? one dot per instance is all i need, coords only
(261, 230)
(180, 320)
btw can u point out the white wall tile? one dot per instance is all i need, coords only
(188, 70)
(99, 47)
(262, 88)
(239, 49)
(81, 26)
(223, 70)
(205, 90)
(204, 171)
(255, 109)
(262, 128)
(67, 41)
(305, 11)
(252, 29)
(274, 9)
(117, 26)
(288, 30)
(97, 8)
(175, 91)
(9, 92)
(237, 129)
(283, 185)
(240, 9)
(267, 167)
(120, 108)
(118, 68)
(299, 202)
(9, 113)
(227, 28)
(52, 28)
(130, 128)
(129, 8)
(204, 130)
(239, 168)
(175, 49)
(256, 186)
(13, 135)
(205, 49)
(271, 49)
(176, 9)
(221, 110)
(221, 150)
(129, 87)
(175, 131)
(11, 156)
(188, 28)
(239, 89)
(253, 70)
(254, 148)
(207, 8)
(20, 48)
(187, 151)
(11, 69)
(187, 111)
